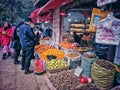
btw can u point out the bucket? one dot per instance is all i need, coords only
(101, 54)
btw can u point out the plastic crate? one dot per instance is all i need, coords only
(73, 64)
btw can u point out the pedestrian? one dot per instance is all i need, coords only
(16, 43)
(28, 41)
(12, 49)
(77, 39)
(6, 35)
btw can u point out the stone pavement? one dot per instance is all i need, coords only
(12, 78)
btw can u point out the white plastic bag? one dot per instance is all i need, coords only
(104, 2)
(108, 31)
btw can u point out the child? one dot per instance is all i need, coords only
(6, 35)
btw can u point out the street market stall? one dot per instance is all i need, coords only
(72, 66)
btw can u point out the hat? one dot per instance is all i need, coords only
(28, 19)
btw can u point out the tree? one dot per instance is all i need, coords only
(15, 10)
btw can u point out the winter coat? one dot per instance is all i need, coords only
(27, 37)
(6, 39)
(15, 40)
(77, 39)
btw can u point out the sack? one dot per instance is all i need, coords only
(101, 76)
(86, 64)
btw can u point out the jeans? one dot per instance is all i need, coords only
(26, 58)
(17, 53)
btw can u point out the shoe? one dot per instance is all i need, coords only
(28, 71)
(4, 56)
(17, 62)
(9, 54)
(22, 68)
(12, 56)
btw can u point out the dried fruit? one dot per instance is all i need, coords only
(105, 64)
(87, 87)
(67, 45)
(72, 55)
(65, 80)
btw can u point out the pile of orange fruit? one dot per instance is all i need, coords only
(41, 48)
(67, 45)
(58, 53)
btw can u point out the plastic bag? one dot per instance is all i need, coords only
(104, 2)
(108, 31)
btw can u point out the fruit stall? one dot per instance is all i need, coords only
(74, 69)
(78, 67)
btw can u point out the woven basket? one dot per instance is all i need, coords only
(57, 70)
(102, 77)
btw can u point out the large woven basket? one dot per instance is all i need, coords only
(57, 70)
(102, 77)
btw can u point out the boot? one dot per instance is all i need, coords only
(28, 71)
(16, 62)
(4, 56)
(9, 54)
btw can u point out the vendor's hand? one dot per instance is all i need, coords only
(4, 32)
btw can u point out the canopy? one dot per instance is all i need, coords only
(47, 8)
(53, 4)
(35, 13)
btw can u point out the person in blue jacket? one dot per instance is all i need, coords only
(28, 41)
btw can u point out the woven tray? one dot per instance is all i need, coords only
(66, 50)
(74, 58)
(57, 70)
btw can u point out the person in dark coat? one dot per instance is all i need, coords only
(16, 43)
(76, 37)
(28, 41)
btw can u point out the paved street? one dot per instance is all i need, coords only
(12, 78)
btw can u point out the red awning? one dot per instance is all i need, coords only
(35, 13)
(53, 4)
(46, 9)
(46, 17)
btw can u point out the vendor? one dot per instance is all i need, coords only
(77, 39)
